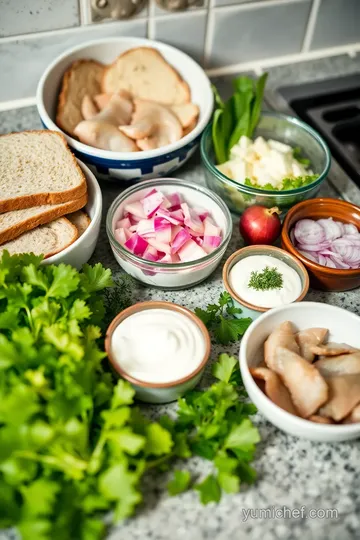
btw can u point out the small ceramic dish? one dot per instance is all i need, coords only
(250, 310)
(343, 326)
(128, 166)
(175, 275)
(322, 277)
(81, 250)
(162, 392)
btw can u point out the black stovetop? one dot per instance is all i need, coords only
(332, 107)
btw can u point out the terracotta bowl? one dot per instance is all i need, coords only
(322, 277)
(250, 310)
(162, 392)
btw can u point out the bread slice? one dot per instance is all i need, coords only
(45, 240)
(144, 73)
(82, 78)
(36, 168)
(13, 224)
(81, 221)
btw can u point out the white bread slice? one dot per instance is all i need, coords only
(144, 73)
(36, 168)
(45, 240)
(13, 224)
(82, 78)
(81, 221)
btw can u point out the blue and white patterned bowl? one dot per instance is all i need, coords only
(128, 166)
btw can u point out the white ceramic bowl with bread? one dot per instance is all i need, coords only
(173, 73)
(343, 326)
(54, 207)
(80, 251)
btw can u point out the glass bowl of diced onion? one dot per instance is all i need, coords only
(166, 269)
(284, 129)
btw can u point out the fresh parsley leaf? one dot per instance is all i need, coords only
(224, 367)
(179, 483)
(96, 278)
(243, 435)
(230, 330)
(229, 482)
(222, 319)
(158, 440)
(287, 183)
(209, 490)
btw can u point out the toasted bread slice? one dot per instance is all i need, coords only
(145, 73)
(36, 168)
(13, 224)
(45, 240)
(82, 78)
(81, 221)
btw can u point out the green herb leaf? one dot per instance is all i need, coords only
(224, 367)
(209, 490)
(243, 435)
(229, 482)
(158, 440)
(230, 330)
(179, 483)
(221, 319)
(266, 280)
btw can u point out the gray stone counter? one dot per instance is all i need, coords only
(291, 472)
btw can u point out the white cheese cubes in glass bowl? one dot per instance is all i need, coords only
(168, 233)
(264, 162)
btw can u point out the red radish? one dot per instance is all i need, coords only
(260, 225)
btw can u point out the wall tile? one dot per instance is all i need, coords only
(22, 62)
(185, 31)
(200, 4)
(25, 16)
(338, 23)
(232, 2)
(244, 35)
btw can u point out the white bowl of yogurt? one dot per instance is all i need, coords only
(260, 278)
(160, 348)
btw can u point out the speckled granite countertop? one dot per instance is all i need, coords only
(291, 472)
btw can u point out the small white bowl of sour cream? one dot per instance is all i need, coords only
(259, 278)
(160, 348)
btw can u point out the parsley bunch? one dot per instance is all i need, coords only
(214, 424)
(221, 319)
(72, 444)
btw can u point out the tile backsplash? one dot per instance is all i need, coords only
(217, 33)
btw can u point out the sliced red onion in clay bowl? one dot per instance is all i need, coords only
(325, 235)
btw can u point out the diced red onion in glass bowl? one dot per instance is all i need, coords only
(166, 229)
(327, 242)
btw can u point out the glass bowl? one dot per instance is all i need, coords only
(176, 275)
(283, 128)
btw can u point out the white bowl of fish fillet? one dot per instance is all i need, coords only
(300, 365)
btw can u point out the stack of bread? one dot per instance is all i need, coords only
(140, 102)
(42, 192)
